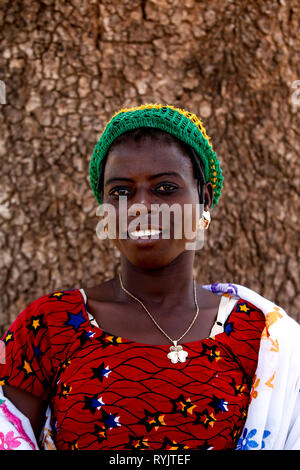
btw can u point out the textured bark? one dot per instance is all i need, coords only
(68, 66)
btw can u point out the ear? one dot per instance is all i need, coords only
(208, 194)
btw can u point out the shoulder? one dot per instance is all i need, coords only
(51, 310)
(39, 339)
(243, 330)
(46, 330)
(245, 319)
(107, 291)
(53, 301)
(247, 309)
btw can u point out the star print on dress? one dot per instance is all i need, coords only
(100, 433)
(8, 337)
(205, 446)
(58, 295)
(218, 404)
(242, 307)
(36, 324)
(86, 336)
(183, 405)
(26, 367)
(101, 372)
(228, 328)
(205, 418)
(212, 353)
(93, 403)
(238, 388)
(152, 420)
(235, 433)
(110, 420)
(109, 340)
(172, 445)
(74, 445)
(65, 363)
(243, 412)
(75, 320)
(3, 380)
(65, 390)
(137, 442)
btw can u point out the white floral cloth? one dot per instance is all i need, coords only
(16, 432)
(273, 419)
(15, 429)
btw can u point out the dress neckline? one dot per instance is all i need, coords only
(226, 306)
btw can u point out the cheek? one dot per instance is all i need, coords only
(189, 222)
(182, 222)
(196, 208)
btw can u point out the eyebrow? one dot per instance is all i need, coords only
(169, 173)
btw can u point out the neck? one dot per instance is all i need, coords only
(166, 286)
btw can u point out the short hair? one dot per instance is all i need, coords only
(142, 133)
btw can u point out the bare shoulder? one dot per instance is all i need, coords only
(104, 292)
(207, 298)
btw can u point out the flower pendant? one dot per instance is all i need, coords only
(177, 353)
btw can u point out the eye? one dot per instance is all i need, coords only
(113, 191)
(169, 188)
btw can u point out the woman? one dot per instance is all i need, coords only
(150, 359)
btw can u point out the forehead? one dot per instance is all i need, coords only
(146, 157)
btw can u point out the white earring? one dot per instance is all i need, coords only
(205, 220)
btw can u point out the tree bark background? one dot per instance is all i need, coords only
(69, 65)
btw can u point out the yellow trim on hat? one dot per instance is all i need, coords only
(192, 117)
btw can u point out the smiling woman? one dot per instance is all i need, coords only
(145, 156)
(151, 359)
(152, 149)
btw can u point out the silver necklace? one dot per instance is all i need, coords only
(177, 353)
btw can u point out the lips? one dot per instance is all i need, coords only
(145, 231)
(149, 227)
(138, 230)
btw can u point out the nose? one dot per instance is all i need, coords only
(142, 209)
(143, 203)
(143, 206)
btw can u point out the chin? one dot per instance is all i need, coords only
(150, 259)
(148, 262)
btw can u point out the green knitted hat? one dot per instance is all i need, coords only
(178, 122)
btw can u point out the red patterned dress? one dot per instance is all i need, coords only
(107, 392)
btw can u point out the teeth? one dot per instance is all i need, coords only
(145, 233)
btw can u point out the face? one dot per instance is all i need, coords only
(152, 172)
